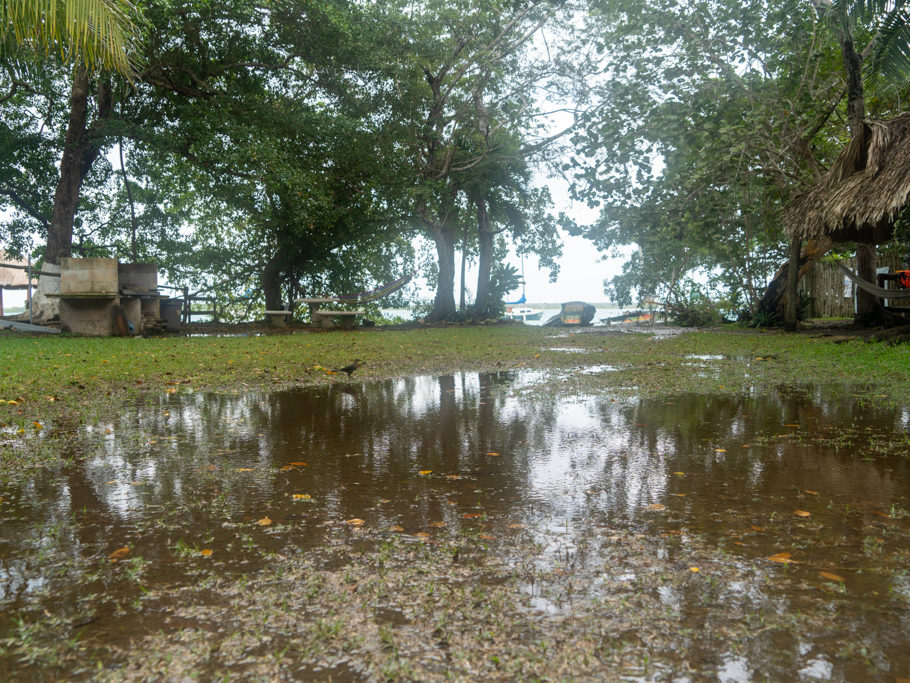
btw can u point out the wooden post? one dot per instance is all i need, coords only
(790, 310)
(186, 305)
(1, 302)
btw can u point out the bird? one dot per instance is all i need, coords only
(350, 368)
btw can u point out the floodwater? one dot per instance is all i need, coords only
(797, 501)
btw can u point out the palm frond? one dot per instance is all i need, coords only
(101, 34)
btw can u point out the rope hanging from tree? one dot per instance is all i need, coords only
(873, 289)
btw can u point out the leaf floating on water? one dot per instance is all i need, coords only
(516, 526)
(720, 450)
(453, 476)
(879, 513)
(487, 537)
(811, 493)
(297, 464)
(243, 469)
(493, 454)
(285, 468)
(395, 527)
(425, 472)
(436, 525)
(680, 474)
(832, 576)
(119, 553)
(384, 500)
(802, 513)
(694, 569)
(791, 425)
(265, 521)
(680, 495)
(657, 507)
(756, 528)
(422, 535)
(205, 552)
(356, 521)
(782, 558)
(472, 515)
(302, 496)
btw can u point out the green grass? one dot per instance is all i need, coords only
(78, 380)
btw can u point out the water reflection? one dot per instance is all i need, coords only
(471, 453)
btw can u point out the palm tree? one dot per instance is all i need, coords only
(97, 34)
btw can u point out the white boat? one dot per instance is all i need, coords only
(517, 313)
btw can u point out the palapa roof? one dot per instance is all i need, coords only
(863, 193)
(12, 277)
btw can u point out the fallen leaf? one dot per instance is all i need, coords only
(302, 496)
(119, 553)
(487, 537)
(680, 474)
(205, 552)
(472, 515)
(385, 500)
(285, 468)
(265, 521)
(423, 535)
(395, 527)
(757, 528)
(791, 425)
(37, 425)
(493, 454)
(694, 569)
(802, 513)
(516, 526)
(425, 472)
(297, 464)
(879, 513)
(720, 450)
(112, 481)
(436, 525)
(781, 558)
(811, 493)
(832, 576)
(657, 507)
(680, 495)
(356, 521)
(453, 476)
(243, 469)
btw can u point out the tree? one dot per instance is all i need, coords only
(98, 35)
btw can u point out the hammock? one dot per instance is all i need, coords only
(385, 290)
(873, 289)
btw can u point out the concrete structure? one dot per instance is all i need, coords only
(100, 297)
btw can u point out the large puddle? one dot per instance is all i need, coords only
(795, 499)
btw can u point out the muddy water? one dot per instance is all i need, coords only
(793, 502)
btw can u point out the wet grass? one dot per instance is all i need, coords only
(62, 381)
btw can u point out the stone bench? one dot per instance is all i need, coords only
(326, 319)
(278, 318)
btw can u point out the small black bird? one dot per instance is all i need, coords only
(350, 368)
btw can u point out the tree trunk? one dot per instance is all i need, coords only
(869, 309)
(773, 298)
(791, 313)
(271, 285)
(81, 148)
(483, 301)
(444, 303)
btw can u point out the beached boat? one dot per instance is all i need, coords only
(573, 313)
(522, 313)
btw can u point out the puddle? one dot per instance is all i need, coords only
(199, 483)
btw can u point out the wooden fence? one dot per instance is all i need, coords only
(832, 293)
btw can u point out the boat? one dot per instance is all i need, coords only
(573, 314)
(523, 313)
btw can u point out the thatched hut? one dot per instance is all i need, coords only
(12, 278)
(863, 193)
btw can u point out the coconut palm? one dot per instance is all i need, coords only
(99, 34)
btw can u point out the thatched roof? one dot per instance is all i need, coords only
(12, 277)
(861, 196)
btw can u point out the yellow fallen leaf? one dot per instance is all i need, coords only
(791, 425)
(694, 569)
(395, 527)
(37, 425)
(453, 476)
(680, 474)
(472, 515)
(811, 493)
(492, 453)
(657, 507)
(436, 525)
(302, 496)
(781, 558)
(112, 481)
(356, 521)
(384, 500)
(802, 513)
(720, 450)
(170, 391)
(243, 469)
(425, 472)
(265, 521)
(119, 553)
(297, 464)
(516, 526)
(680, 495)
(205, 552)
(423, 535)
(832, 576)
